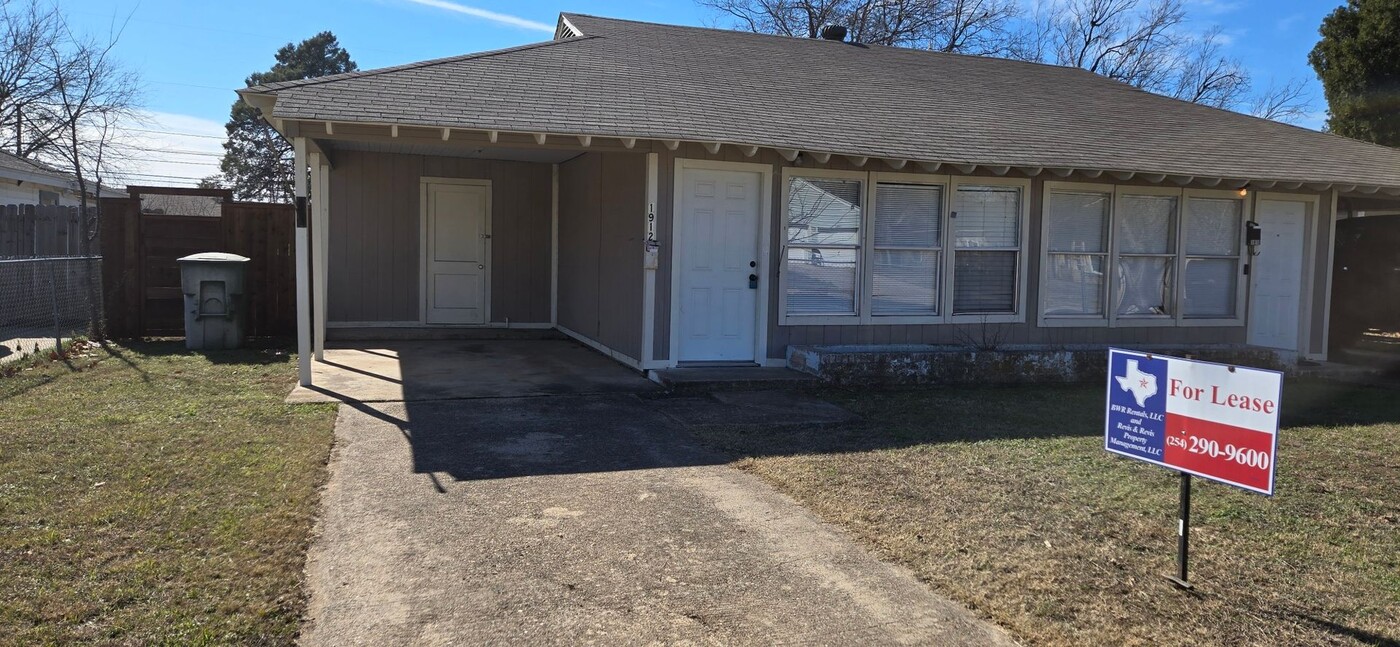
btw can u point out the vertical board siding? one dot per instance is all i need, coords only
(375, 235)
(780, 337)
(601, 223)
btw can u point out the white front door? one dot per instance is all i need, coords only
(718, 258)
(1275, 311)
(456, 253)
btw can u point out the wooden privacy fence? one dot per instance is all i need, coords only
(30, 231)
(141, 280)
(1365, 278)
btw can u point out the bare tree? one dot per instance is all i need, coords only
(1285, 102)
(93, 96)
(965, 26)
(1147, 44)
(28, 32)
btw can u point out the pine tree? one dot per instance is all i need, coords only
(1358, 61)
(257, 161)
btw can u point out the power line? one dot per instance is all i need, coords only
(171, 132)
(161, 161)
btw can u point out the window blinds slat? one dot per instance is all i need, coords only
(987, 217)
(908, 215)
(984, 282)
(1147, 225)
(1074, 284)
(1078, 222)
(1213, 227)
(823, 211)
(905, 282)
(1211, 286)
(821, 281)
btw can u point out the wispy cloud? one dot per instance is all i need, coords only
(504, 19)
(1285, 23)
(1214, 7)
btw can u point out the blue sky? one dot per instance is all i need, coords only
(192, 54)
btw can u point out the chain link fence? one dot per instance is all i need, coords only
(49, 291)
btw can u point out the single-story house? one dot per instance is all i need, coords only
(675, 195)
(27, 181)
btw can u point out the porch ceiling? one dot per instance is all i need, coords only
(451, 149)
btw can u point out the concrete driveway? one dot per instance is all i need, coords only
(591, 519)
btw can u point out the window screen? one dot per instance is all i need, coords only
(908, 234)
(822, 253)
(1077, 246)
(987, 232)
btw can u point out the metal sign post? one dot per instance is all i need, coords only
(1183, 533)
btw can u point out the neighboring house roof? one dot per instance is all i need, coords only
(18, 168)
(640, 80)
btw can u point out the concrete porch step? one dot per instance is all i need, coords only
(731, 378)
(430, 333)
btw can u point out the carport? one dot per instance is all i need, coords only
(426, 370)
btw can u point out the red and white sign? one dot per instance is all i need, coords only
(1211, 420)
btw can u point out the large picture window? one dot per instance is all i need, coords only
(863, 247)
(1140, 256)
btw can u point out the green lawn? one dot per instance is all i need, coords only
(1004, 499)
(149, 495)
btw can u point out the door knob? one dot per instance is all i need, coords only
(753, 281)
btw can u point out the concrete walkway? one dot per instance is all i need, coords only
(591, 520)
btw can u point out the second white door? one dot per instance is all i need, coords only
(1276, 298)
(456, 256)
(718, 245)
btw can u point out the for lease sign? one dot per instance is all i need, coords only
(1211, 420)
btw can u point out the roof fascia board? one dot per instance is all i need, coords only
(292, 127)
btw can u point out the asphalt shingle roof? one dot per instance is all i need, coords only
(16, 163)
(633, 79)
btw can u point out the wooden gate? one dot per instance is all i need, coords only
(142, 280)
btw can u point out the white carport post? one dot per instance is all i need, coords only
(303, 269)
(320, 217)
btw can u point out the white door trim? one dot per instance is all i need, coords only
(423, 183)
(765, 270)
(1312, 209)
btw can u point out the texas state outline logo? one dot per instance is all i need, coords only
(1137, 406)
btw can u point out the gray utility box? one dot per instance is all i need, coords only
(213, 284)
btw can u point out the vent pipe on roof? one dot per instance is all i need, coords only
(834, 32)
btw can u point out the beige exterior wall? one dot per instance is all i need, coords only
(602, 210)
(375, 229)
(780, 336)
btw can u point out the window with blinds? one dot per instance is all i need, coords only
(1146, 240)
(1211, 278)
(1077, 253)
(986, 222)
(908, 228)
(822, 254)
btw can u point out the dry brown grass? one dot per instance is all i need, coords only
(1005, 500)
(154, 496)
